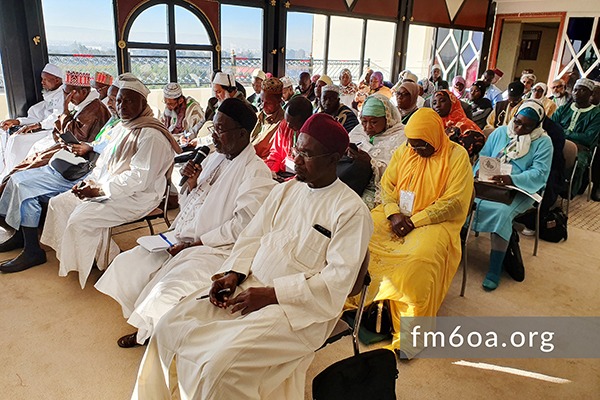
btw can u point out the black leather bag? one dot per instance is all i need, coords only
(493, 192)
(354, 173)
(553, 227)
(513, 261)
(73, 172)
(371, 375)
(377, 317)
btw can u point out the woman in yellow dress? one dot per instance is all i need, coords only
(415, 248)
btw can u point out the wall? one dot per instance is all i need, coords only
(537, 6)
(542, 65)
(508, 52)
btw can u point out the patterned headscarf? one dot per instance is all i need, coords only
(459, 79)
(392, 115)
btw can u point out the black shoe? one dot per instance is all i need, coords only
(24, 261)
(16, 241)
(596, 193)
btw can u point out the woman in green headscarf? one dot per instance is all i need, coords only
(378, 135)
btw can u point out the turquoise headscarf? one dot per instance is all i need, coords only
(373, 107)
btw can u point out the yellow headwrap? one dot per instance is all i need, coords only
(425, 176)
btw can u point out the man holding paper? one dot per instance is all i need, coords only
(220, 198)
(21, 201)
(84, 124)
(524, 152)
(127, 183)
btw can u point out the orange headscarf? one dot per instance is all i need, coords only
(425, 176)
(456, 116)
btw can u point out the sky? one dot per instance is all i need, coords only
(68, 21)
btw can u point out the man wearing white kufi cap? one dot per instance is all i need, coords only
(581, 121)
(183, 116)
(127, 183)
(258, 77)
(288, 89)
(39, 120)
(331, 104)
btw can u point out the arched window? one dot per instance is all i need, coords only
(171, 42)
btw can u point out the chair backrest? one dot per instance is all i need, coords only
(360, 279)
(570, 153)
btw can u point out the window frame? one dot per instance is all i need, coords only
(171, 46)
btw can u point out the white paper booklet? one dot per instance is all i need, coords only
(157, 243)
(488, 167)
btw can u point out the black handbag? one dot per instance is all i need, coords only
(377, 317)
(553, 226)
(355, 173)
(73, 172)
(513, 261)
(371, 375)
(493, 192)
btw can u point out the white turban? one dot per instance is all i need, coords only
(585, 82)
(331, 88)
(172, 91)
(257, 73)
(54, 70)
(223, 79)
(131, 82)
(287, 81)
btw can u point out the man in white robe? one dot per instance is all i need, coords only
(128, 182)
(288, 276)
(38, 123)
(232, 185)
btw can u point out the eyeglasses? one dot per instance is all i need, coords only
(418, 148)
(558, 87)
(213, 131)
(306, 157)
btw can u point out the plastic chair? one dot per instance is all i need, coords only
(570, 154)
(342, 328)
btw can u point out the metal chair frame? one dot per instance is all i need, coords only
(571, 175)
(342, 328)
(589, 188)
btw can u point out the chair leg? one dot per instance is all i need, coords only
(537, 230)
(358, 319)
(150, 227)
(107, 252)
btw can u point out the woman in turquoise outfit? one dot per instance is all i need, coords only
(528, 149)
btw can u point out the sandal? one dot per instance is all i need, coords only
(129, 341)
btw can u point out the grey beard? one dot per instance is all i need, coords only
(170, 113)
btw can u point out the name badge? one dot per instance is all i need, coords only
(505, 169)
(289, 165)
(407, 201)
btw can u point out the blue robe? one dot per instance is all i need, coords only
(529, 173)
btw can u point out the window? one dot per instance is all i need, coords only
(458, 53)
(241, 41)
(78, 40)
(158, 55)
(379, 47)
(347, 47)
(581, 48)
(3, 103)
(418, 52)
(305, 44)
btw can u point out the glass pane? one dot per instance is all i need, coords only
(188, 28)
(345, 38)
(418, 54)
(242, 43)
(304, 44)
(150, 66)
(588, 58)
(150, 26)
(579, 31)
(3, 103)
(194, 68)
(81, 44)
(566, 57)
(441, 36)
(379, 47)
